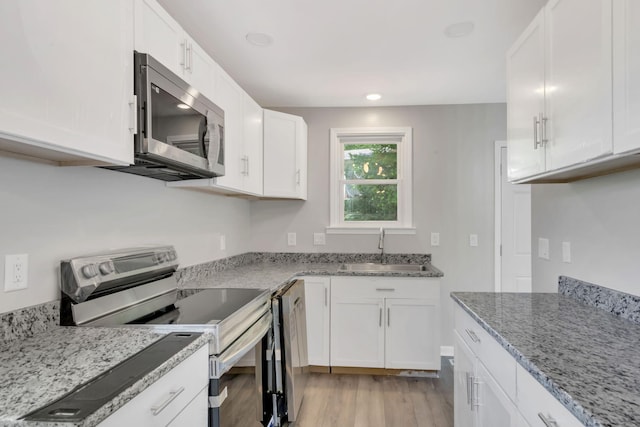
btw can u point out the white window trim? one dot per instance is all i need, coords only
(404, 224)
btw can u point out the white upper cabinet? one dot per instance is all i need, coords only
(285, 156)
(525, 101)
(243, 137)
(578, 99)
(159, 35)
(626, 77)
(67, 80)
(559, 82)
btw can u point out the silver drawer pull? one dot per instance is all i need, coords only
(547, 420)
(385, 289)
(473, 336)
(155, 410)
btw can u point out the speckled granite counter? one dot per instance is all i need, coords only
(40, 369)
(584, 356)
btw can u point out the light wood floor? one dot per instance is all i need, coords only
(368, 401)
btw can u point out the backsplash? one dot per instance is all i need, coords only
(615, 302)
(28, 321)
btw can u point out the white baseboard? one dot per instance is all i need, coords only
(446, 350)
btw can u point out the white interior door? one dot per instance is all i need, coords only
(513, 230)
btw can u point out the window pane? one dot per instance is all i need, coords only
(370, 161)
(366, 202)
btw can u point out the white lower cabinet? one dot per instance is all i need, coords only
(539, 407)
(179, 398)
(384, 322)
(478, 399)
(492, 390)
(317, 296)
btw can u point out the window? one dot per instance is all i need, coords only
(371, 178)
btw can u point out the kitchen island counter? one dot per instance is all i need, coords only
(584, 356)
(38, 370)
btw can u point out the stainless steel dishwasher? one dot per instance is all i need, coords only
(290, 358)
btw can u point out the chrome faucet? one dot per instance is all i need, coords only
(381, 244)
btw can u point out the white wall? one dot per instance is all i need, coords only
(51, 213)
(453, 192)
(601, 218)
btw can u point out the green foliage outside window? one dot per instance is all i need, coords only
(371, 202)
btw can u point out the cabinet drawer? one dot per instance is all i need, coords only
(167, 397)
(384, 287)
(496, 359)
(535, 401)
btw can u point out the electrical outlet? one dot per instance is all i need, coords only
(566, 252)
(223, 242)
(473, 240)
(16, 269)
(291, 239)
(319, 239)
(435, 239)
(543, 248)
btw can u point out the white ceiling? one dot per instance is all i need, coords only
(334, 52)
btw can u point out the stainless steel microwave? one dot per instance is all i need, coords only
(180, 132)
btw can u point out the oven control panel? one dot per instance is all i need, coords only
(82, 276)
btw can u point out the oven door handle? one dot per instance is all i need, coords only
(225, 360)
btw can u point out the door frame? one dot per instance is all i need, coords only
(497, 227)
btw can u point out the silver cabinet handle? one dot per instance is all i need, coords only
(475, 398)
(469, 381)
(155, 410)
(380, 318)
(189, 57)
(298, 177)
(247, 160)
(183, 47)
(543, 125)
(389, 316)
(473, 336)
(535, 132)
(547, 420)
(326, 296)
(385, 289)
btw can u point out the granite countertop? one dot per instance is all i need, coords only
(38, 370)
(584, 356)
(270, 275)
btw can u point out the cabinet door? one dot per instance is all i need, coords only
(67, 76)
(626, 75)
(357, 332)
(412, 334)
(282, 171)
(525, 101)
(229, 97)
(463, 372)
(494, 407)
(200, 69)
(159, 35)
(317, 306)
(578, 101)
(301, 160)
(252, 146)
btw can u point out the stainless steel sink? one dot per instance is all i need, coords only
(374, 267)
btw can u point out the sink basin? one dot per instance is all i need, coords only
(374, 267)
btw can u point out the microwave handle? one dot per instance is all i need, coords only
(214, 139)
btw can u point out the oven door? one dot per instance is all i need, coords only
(236, 402)
(179, 126)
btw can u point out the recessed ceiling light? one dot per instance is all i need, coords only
(183, 106)
(374, 96)
(259, 39)
(460, 29)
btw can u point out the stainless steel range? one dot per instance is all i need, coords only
(137, 287)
